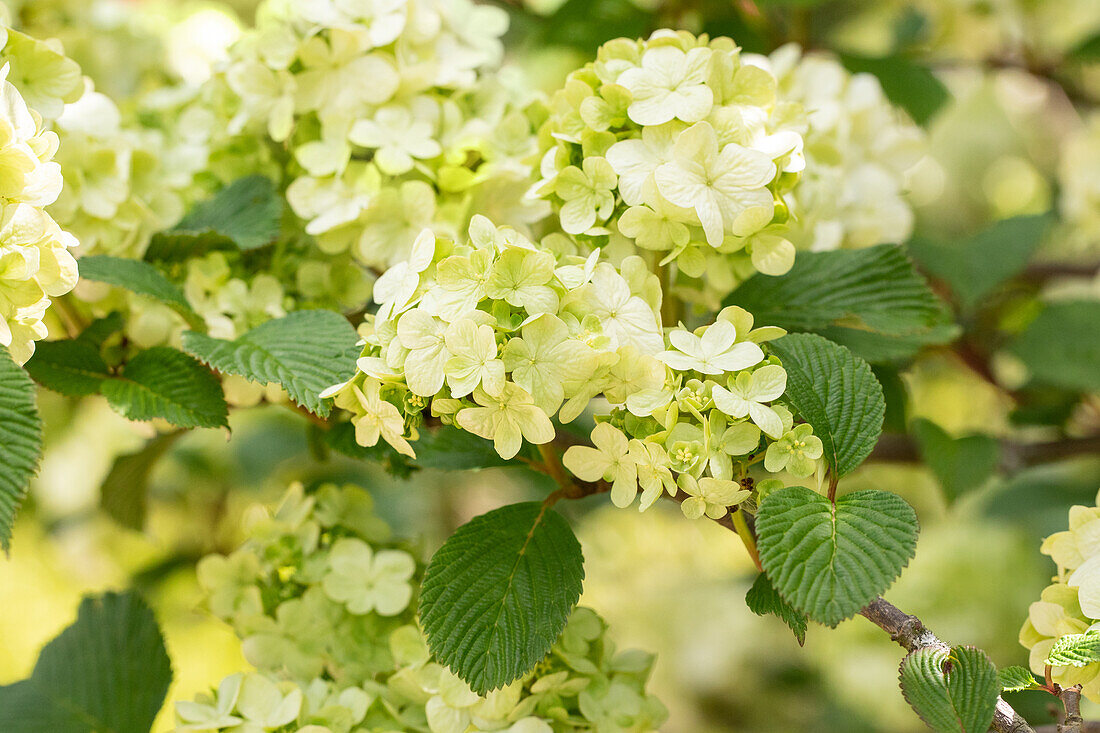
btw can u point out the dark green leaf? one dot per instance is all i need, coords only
(141, 278)
(836, 393)
(74, 367)
(871, 300)
(124, 494)
(108, 673)
(829, 562)
(101, 329)
(960, 464)
(1062, 346)
(975, 266)
(305, 351)
(244, 215)
(1088, 50)
(906, 83)
(164, 383)
(762, 599)
(953, 691)
(497, 595)
(20, 441)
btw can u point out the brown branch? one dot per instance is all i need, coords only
(1071, 699)
(909, 632)
(1086, 727)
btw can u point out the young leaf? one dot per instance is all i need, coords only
(109, 671)
(305, 352)
(906, 83)
(836, 392)
(871, 300)
(243, 215)
(974, 266)
(165, 383)
(1075, 650)
(497, 594)
(124, 494)
(141, 278)
(952, 691)
(762, 599)
(960, 464)
(73, 368)
(20, 441)
(1015, 678)
(1062, 346)
(828, 562)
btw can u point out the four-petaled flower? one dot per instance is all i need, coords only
(587, 193)
(365, 580)
(610, 460)
(797, 451)
(709, 496)
(376, 417)
(670, 84)
(473, 362)
(747, 394)
(712, 353)
(506, 419)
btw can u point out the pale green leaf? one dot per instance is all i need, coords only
(836, 392)
(953, 691)
(20, 441)
(829, 562)
(1075, 650)
(498, 593)
(108, 672)
(168, 384)
(305, 351)
(1015, 678)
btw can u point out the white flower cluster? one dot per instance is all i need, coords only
(1071, 605)
(389, 122)
(231, 305)
(323, 602)
(1079, 179)
(859, 151)
(498, 336)
(672, 144)
(35, 263)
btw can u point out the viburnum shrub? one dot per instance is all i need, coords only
(691, 271)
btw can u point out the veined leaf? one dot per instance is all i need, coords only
(141, 278)
(836, 392)
(1062, 346)
(762, 599)
(107, 672)
(961, 464)
(830, 561)
(20, 441)
(165, 383)
(72, 367)
(953, 691)
(243, 215)
(1075, 650)
(1015, 678)
(498, 593)
(305, 352)
(124, 494)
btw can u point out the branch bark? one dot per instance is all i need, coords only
(1071, 699)
(909, 632)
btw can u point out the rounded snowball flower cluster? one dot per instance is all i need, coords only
(859, 152)
(672, 145)
(499, 336)
(35, 263)
(390, 124)
(1071, 605)
(322, 598)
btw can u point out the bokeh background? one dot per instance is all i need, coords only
(1012, 135)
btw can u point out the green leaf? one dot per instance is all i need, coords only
(953, 691)
(124, 494)
(829, 562)
(73, 367)
(1015, 678)
(244, 215)
(961, 464)
(836, 392)
(165, 383)
(497, 594)
(1075, 650)
(906, 83)
(1087, 50)
(108, 672)
(141, 278)
(871, 300)
(1062, 346)
(975, 266)
(101, 329)
(762, 599)
(20, 441)
(305, 352)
